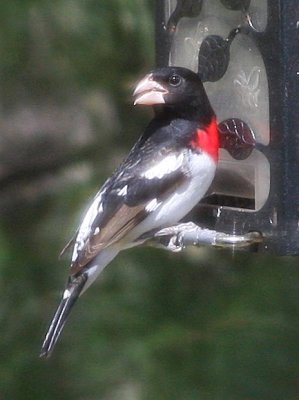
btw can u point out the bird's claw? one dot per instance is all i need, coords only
(176, 235)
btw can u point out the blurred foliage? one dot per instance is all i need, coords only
(157, 326)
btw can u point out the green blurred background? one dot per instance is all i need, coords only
(202, 324)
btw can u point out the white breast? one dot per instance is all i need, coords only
(201, 170)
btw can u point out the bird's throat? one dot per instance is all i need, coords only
(207, 139)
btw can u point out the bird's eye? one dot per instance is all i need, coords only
(175, 80)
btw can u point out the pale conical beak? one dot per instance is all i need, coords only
(149, 92)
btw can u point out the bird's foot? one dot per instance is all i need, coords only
(173, 236)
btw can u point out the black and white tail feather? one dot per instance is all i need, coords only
(69, 298)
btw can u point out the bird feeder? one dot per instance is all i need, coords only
(247, 54)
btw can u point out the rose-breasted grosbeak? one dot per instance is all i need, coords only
(165, 175)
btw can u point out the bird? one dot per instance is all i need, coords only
(167, 172)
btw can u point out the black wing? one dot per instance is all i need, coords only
(151, 171)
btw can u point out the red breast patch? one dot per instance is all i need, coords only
(207, 139)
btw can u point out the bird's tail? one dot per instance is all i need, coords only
(70, 296)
